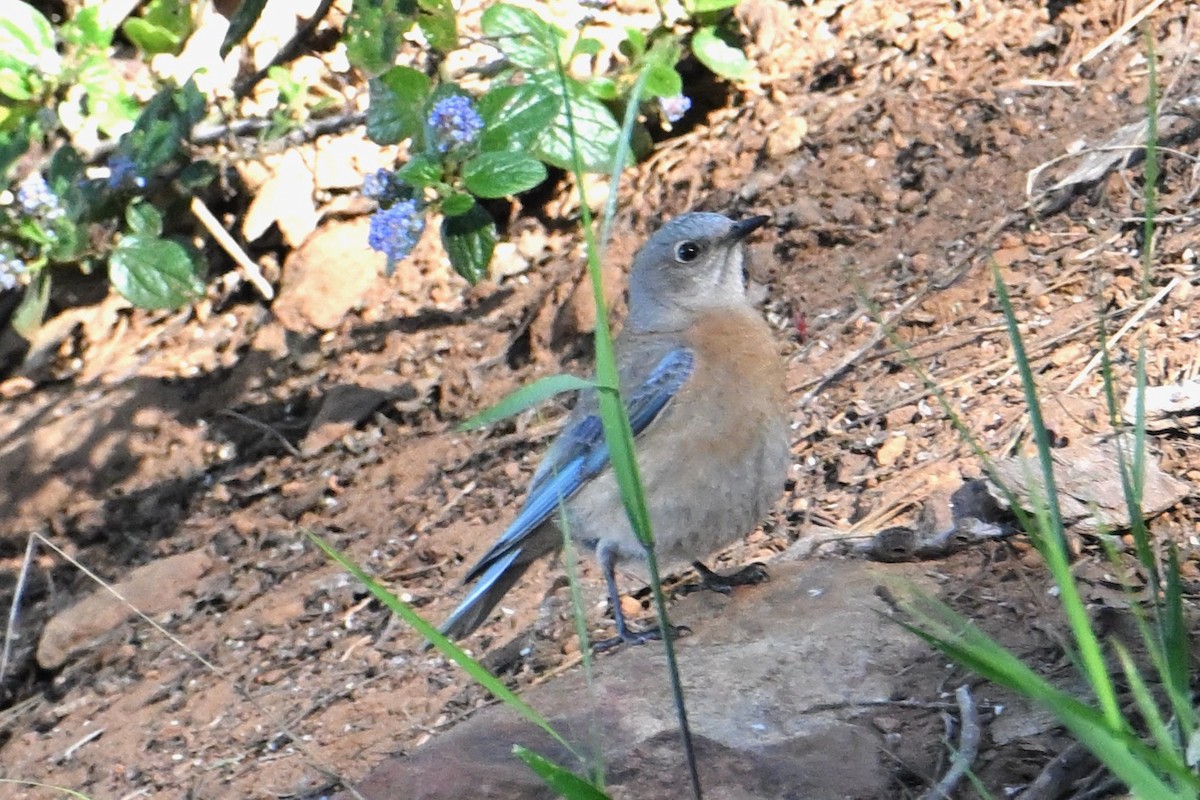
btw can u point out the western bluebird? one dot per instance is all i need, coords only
(704, 388)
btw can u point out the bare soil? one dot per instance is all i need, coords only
(891, 145)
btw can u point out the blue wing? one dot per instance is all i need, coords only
(580, 453)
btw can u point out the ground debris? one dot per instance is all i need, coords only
(1088, 478)
(1174, 407)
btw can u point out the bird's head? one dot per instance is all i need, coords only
(691, 264)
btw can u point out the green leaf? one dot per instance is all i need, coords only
(162, 28)
(163, 126)
(143, 220)
(522, 35)
(603, 88)
(439, 24)
(595, 127)
(66, 167)
(240, 24)
(529, 396)
(695, 7)
(14, 143)
(32, 309)
(587, 47)
(514, 115)
(150, 38)
(633, 46)
(421, 171)
(84, 30)
(458, 203)
(197, 175)
(397, 99)
(67, 241)
(25, 33)
(502, 173)
(564, 782)
(171, 15)
(711, 47)
(663, 81)
(469, 240)
(154, 273)
(373, 31)
(15, 85)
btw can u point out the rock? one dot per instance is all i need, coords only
(285, 199)
(891, 449)
(1088, 478)
(760, 670)
(156, 588)
(328, 276)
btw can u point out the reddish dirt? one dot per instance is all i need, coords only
(891, 148)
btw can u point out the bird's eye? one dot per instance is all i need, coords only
(686, 251)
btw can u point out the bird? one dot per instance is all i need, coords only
(703, 384)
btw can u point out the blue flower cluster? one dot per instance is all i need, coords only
(36, 199)
(395, 230)
(454, 123)
(11, 269)
(382, 185)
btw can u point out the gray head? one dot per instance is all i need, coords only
(691, 264)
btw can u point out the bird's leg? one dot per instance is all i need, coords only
(716, 582)
(624, 635)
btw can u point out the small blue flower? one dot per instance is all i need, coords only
(36, 199)
(10, 271)
(378, 185)
(454, 123)
(122, 174)
(394, 231)
(673, 108)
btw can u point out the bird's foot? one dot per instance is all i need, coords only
(632, 637)
(716, 582)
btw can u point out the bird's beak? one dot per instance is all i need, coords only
(743, 228)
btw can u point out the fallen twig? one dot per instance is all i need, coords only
(246, 265)
(968, 747)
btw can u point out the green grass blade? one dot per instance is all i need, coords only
(446, 647)
(1177, 646)
(529, 396)
(566, 783)
(1150, 165)
(617, 431)
(571, 563)
(1024, 520)
(51, 787)
(1055, 549)
(1129, 759)
(1146, 705)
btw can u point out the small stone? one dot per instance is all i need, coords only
(269, 677)
(1007, 256)
(507, 261)
(886, 724)
(629, 606)
(891, 450)
(531, 243)
(1069, 353)
(909, 200)
(788, 137)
